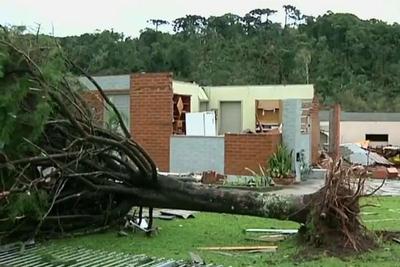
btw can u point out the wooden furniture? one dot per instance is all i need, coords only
(181, 107)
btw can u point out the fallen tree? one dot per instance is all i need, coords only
(61, 171)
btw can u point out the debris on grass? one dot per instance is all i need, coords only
(196, 259)
(184, 214)
(396, 240)
(267, 238)
(241, 248)
(279, 231)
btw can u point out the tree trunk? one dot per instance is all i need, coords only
(172, 193)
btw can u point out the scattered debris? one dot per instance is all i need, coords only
(184, 214)
(212, 177)
(164, 214)
(189, 177)
(396, 240)
(355, 154)
(267, 238)
(122, 233)
(242, 248)
(280, 231)
(392, 172)
(196, 259)
(136, 224)
(80, 256)
(165, 217)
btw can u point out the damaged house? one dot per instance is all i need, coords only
(380, 129)
(189, 128)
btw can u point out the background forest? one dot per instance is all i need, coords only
(351, 61)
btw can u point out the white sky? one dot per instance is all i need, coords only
(73, 17)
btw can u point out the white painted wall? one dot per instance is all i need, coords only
(355, 131)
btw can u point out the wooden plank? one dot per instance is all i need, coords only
(280, 231)
(239, 248)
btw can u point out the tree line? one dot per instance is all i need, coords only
(351, 61)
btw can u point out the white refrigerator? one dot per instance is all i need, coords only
(201, 124)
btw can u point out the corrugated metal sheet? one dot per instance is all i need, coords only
(355, 154)
(51, 256)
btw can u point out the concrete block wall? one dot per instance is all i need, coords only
(248, 151)
(151, 106)
(197, 154)
(292, 137)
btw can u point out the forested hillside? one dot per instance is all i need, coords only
(352, 61)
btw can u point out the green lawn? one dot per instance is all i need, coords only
(179, 237)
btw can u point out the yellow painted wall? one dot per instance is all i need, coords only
(249, 94)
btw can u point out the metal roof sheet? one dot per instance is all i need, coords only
(362, 116)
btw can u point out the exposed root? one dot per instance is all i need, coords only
(334, 222)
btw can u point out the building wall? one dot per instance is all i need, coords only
(194, 90)
(292, 137)
(354, 131)
(151, 114)
(197, 154)
(315, 131)
(249, 94)
(248, 151)
(122, 103)
(95, 102)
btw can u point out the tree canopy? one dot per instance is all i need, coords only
(351, 61)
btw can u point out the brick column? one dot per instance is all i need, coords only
(334, 132)
(151, 108)
(315, 130)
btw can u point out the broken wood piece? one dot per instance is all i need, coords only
(396, 240)
(240, 248)
(280, 231)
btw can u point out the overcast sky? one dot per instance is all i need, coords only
(73, 17)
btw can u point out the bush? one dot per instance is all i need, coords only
(280, 164)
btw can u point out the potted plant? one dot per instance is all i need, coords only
(280, 166)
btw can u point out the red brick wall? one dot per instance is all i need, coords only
(334, 132)
(95, 102)
(315, 131)
(151, 114)
(248, 151)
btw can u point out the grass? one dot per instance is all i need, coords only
(179, 237)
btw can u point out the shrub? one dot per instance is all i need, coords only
(280, 164)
